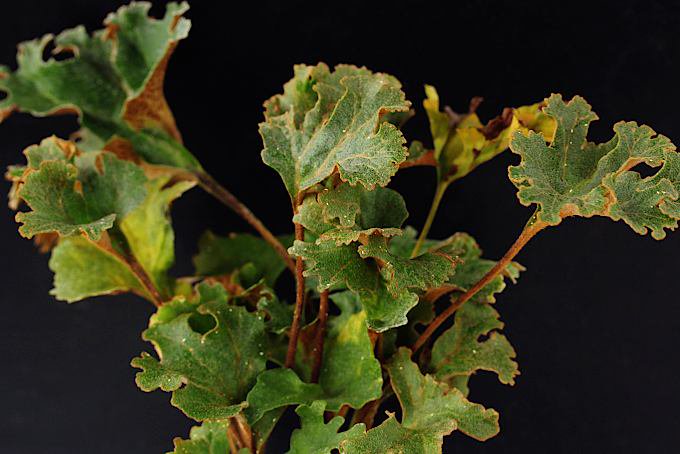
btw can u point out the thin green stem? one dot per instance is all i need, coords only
(438, 195)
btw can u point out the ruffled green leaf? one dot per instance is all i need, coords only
(113, 81)
(208, 438)
(473, 344)
(224, 255)
(570, 176)
(430, 411)
(85, 196)
(316, 436)
(327, 120)
(208, 372)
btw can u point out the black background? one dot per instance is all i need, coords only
(594, 319)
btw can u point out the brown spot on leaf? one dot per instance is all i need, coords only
(495, 126)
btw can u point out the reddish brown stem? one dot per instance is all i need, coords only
(211, 186)
(320, 336)
(244, 432)
(145, 280)
(531, 229)
(299, 296)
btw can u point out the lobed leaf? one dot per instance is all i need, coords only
(113, 81)
(209, 373)
(429, 412)
(570, 176)
(316, 436)
(327, 120)
(473, 344)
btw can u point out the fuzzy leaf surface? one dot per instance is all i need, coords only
(316, 436)
(327, 120)
(209, 373)
(570, 176)
(113, 81)
(86, 196)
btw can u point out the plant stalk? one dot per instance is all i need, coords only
(214, 188)
(530, 230)
(438, 195)
(299, 295)
(320, 336)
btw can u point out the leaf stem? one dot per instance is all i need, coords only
(320, 336)
(214, 188)
(529, 231)
(438, 195)
(299, 295)
(144, 279)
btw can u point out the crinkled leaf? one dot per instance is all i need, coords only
(430, 411)
(208, 438)
(316, 436)
(222, 255)
(570, 176)
(462, 142)
(327, 120)
(83, 269)
(350, 374)
(209, 373)
(113, 81)
(148, 230)
(83, 197)
(348, 213)
(393, 438)
(473, 344)
(425, 271)
(342, 266)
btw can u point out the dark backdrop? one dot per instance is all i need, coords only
(594, 319)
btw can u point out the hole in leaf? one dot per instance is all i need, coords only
(3, 95)
(202, 323)
(59, 54)
(645, 170)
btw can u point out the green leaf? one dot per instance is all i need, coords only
(462, 142)
(573, 177)
(209, 373)
(83, 269)
(472, 344)
(430, 410)
(148, 230)
(208, 438)
(331, 120)
(83, 197)
(474, 267)
(317, 436)
(420, 273)
(350, 374)
(393, 438)
(223, 255)
(113, 81)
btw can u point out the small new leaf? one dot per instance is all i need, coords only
(331, 120)
(570, 176)
(208, 371)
